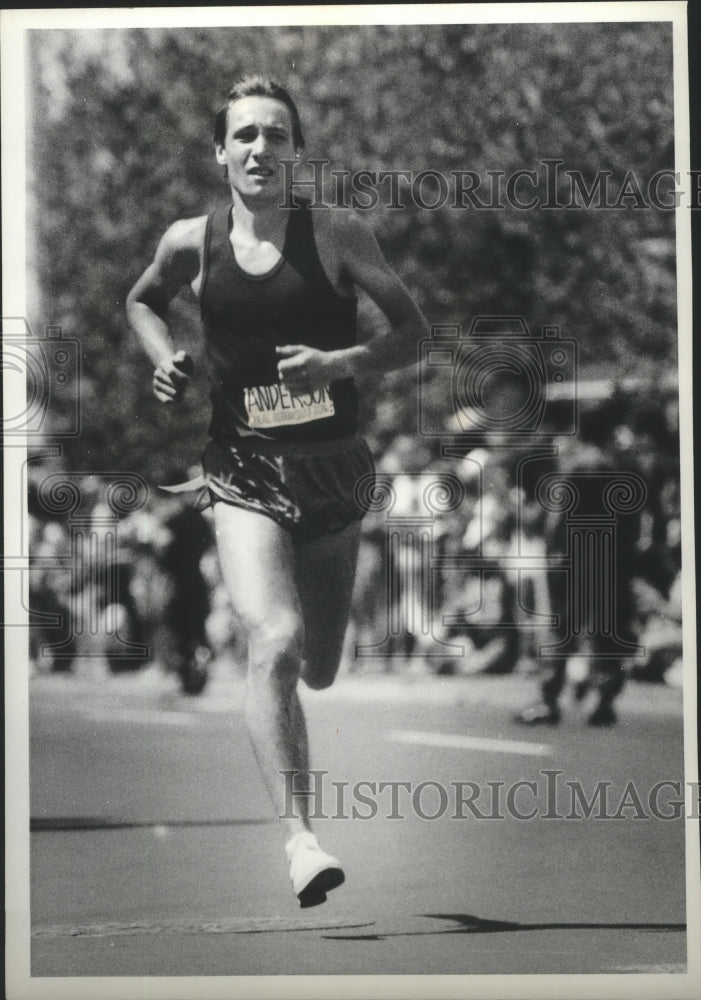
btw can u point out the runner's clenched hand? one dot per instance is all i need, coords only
(304, 369)
(172, 377)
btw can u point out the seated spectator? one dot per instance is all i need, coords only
(480, 616)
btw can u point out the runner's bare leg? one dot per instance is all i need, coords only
(325, 573)
(294, 601)
(258, 568)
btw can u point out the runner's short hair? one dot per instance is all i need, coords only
(258, 86)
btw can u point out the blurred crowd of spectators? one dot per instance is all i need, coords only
(156, 594)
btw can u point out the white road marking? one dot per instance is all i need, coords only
(225, 925)
(470, 743)
(147, 716)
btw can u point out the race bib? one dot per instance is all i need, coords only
(275, 406)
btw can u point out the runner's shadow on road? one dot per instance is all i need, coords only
(467, 923)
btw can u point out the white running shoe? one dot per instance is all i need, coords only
(313, 872)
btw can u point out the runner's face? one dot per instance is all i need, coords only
(258, 136)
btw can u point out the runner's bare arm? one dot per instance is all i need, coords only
(177, 263)
(305, 369)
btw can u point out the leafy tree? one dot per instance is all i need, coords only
(121, 147)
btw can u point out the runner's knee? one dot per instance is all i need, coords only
(319, 673)
(318, 682)
(275, 646)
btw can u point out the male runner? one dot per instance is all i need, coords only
(276, 290)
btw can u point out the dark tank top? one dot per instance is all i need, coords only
(247, 316)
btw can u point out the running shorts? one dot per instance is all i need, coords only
(310, 489)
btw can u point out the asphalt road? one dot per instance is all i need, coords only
(155, 850)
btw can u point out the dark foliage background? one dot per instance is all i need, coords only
(120, 147)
